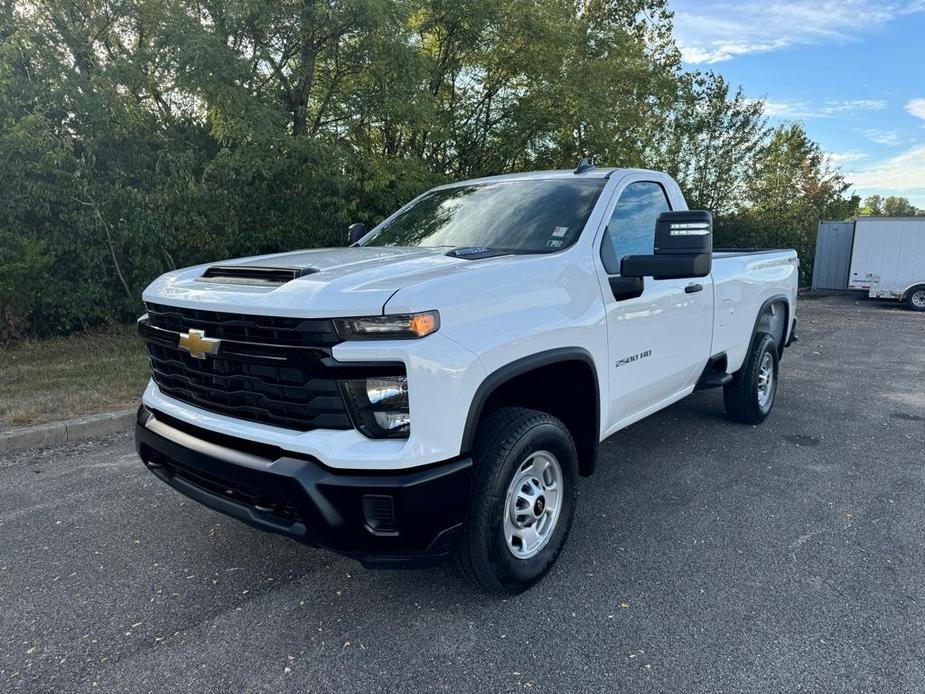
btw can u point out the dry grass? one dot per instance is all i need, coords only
(53, 380)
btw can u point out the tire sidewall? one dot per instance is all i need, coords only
(912, 293)
(522, 573)
(766, 345)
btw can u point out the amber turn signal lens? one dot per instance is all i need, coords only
(423, 323)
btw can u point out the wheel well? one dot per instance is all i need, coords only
(774, 318)
(565, 389)
(914, 287)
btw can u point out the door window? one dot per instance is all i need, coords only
(632, 224)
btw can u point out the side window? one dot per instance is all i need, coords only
(632, 224)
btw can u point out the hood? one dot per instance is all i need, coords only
(327, 282)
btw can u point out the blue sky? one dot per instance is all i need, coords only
(853, 71)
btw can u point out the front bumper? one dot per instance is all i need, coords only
(387, 519)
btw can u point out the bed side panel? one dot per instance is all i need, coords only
(742, 285)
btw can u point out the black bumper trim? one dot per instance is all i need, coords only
(297, 496)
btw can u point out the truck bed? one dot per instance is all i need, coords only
(743, 281)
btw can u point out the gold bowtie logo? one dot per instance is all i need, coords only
(197, 344)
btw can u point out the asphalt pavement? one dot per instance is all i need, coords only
(706, 556)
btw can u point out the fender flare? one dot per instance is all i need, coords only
(518, 367)
(788, 324)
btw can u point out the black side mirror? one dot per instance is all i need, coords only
(623, 288)
(355, 232)
(683, 248)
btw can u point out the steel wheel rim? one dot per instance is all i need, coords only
(765, 380)
(532, 505)
(918, 298)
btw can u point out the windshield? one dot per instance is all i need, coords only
(527, 216)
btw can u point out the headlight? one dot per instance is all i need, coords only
(379, 405)
(401, 326)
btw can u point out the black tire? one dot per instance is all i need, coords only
(916, 298)
(741, 395)
(505, 439)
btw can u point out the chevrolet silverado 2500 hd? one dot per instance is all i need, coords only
(438, 387)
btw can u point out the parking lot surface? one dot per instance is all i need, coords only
(706, 556)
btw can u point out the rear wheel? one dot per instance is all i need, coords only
(916, 299)
(750, 395)
(522, 502)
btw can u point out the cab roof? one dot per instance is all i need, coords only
(594, 172)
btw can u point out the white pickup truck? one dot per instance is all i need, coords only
(437, 388)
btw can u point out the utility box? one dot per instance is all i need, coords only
(888, 256)
(833, 256)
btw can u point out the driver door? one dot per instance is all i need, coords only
(659, 339)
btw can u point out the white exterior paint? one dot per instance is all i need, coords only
(493, 312)
(888, 256)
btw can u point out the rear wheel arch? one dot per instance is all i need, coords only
(770, 321)
(915, 286)
(562, 382)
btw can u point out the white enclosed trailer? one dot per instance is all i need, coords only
(888, 259)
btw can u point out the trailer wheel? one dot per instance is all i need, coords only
(916, 299)
(749, 396)
(522, 500)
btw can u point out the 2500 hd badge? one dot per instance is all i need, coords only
(636, 357)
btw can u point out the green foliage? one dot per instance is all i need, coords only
(714, 143)
(890, 206)
(143, 135)
(789, 190)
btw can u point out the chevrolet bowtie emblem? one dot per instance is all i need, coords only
(197, 344)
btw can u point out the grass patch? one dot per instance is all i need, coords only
(61, 378)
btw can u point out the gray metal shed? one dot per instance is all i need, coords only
(833, 256)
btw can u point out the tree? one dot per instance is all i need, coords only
(892, 206)
(713, 141)
(789, 190)
(143, 135)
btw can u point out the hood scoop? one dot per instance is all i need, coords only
(253, 275)
(477, 252)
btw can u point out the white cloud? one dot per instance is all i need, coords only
(856, 105)
(916, 107)
(827, 109)
(882, 137)
(903, 174)
(841, 158)
(711, 31)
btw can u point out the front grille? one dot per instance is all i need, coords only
(302, 332)
(275, 371)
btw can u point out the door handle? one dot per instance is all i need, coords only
(693, 288)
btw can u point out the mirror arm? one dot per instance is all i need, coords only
(355, 232)
(624, 288)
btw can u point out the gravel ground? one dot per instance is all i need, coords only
(705, 557)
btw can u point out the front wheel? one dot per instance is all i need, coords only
(750, 395)
(523, 499)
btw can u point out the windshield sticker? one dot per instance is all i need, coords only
(559, 231)
(554, 243)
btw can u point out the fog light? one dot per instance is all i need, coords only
(393, 421)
